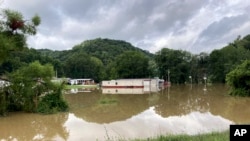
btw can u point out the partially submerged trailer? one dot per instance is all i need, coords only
(133, 86)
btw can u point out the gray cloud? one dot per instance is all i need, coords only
(191, 25)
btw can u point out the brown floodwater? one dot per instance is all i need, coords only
(96, 115)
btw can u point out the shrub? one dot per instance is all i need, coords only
(52, 103)
(239, 79)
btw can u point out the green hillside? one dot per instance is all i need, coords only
(104, 49)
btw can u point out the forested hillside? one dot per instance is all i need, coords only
(104, 49)
(103, 59)
(96, 59)
(107, 49)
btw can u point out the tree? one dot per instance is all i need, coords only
(97, 69)
(222, 61)
(14, 22)
(13, 31)
(97, 60)
(202, 67)
(82, 65)
(175, 62)
(31, 90)
(106, 49)
(239, 79)
(132, 64)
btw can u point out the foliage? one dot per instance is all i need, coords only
(14, 22)
(81, 65)
(102, 59)
(29, 86)
(214, 136)
(97, 58)
(16, 59)
(13, 31)
(131, 64)
(226, 59)
(10, 43)
(239, 79)
(52, 103)
(174, 62)
(106, 49)
(108, 101)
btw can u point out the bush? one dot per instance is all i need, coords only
(52, 103)
(31, 90)
(239, 79)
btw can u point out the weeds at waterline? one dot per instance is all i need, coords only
(214, 136)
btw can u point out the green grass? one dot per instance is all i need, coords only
(107, 101)
(215, 136)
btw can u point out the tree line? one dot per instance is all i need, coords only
(105, 59)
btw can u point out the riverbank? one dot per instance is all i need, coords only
(215, 136)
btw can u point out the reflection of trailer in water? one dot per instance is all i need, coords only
(132, 86)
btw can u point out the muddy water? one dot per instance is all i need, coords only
(95, 116)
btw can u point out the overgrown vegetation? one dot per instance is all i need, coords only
(239, 79)
(53, 102)
(27, 84)
(215, 136)
(107, 101)
(31, 90)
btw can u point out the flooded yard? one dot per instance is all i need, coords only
(93, 115)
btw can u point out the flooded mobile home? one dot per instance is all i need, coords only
(132, 86)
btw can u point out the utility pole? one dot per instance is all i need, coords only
(168, 76)
(191, 81)
(205, 79)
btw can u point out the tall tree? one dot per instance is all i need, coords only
(226, 59)
(82, 65)
(132, 64)
(174, 64)
(13, 31)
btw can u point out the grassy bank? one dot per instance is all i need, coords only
(223, 136)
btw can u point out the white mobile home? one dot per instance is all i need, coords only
(81, 81)
(132, 85)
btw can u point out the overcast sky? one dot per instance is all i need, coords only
(191, 25)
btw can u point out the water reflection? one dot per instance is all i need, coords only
(146, 124)
(144, 90)
(26, 126)
(94, 115)
(89, 107)
(79, 90)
